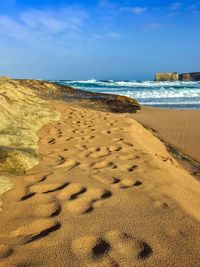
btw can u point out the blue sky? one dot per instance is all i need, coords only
(100, 39)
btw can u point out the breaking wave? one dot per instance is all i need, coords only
(167, 94)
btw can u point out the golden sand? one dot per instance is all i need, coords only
(105, 193)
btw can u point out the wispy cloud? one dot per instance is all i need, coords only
(54, 21)
(42, 23)
(12, 28)
(135, 10)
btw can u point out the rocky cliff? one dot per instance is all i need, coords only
(193, 76)
(165, 76)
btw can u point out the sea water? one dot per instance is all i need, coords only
(171, 95)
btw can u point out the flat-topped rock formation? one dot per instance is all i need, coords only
(165, 76)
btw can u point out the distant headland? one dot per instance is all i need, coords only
(174, 76)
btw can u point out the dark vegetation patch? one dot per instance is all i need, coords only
(107, 102)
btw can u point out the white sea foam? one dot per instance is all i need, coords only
(162, 93)
(151, 93)
(133, 83)
(83, 81)
(170, 103)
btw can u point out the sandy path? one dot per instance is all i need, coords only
(180, 128)
(105, 193)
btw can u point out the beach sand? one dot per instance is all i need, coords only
(105, 193)
(180, 128)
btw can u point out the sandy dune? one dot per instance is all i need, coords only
(105, 193)
(22, 114)
(180, 128)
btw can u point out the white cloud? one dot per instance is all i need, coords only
(135, 10)
(54, 21)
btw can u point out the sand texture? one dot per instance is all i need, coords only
(105, 193)
(180, 128)
(22, 114)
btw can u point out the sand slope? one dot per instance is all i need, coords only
(105, 193)
(22, 114)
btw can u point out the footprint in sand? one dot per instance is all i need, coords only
(107, 132)
(69, 138)
(112, 248)
(128, 167)
(81, 201)
(37, 178)
(104, 164)
(98, 165)
(127, 183)
(114, 148)
(100, 152)
(47, 210)
(71, 192)
(117, 182)
(30, 232)
(51, 141)
(68, 165)
(87, 137)
(5, 251)
(129, 247)
(46, 188)
(90, 247)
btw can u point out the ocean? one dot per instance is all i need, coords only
(170, 95)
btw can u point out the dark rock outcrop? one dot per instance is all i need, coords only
(193, 76)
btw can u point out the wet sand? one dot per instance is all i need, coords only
(180, 128)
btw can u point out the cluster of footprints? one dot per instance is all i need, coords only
(51, 195)
(115, 248)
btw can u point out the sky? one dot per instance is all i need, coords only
(98, 39)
